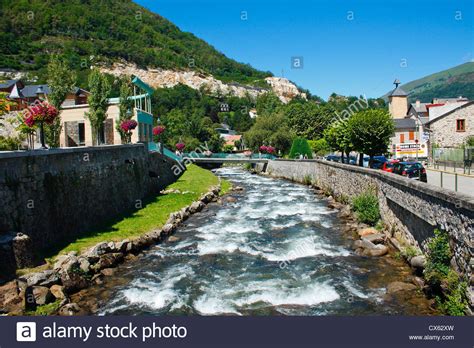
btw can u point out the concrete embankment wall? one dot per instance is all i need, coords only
(55, 195)
(412, 210)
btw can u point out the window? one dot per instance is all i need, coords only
(411, 135)
(402, 138)
(82, 134)
(460, 125)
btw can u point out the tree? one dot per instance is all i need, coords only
(320, 147)
(300, 147)
(125, 107)
(99, 87)
(61, 81)
(267, 104)
(370, 131)
(270, 129)
(338, 138)
(308, 119)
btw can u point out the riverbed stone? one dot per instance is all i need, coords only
(71, 309)
(11, 298)
(98, 250)
(418, 261)
(108, 272)
(168, 228)
(367, 231)
(58, 292)
(42, 295)
(196, 207)
(379, 250)
(45, 278)
(376, 238)
(230, 199)
(108, 261)
(173, 239)
(400, 286)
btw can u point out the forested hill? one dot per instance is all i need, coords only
(450, 83)
(106, 30)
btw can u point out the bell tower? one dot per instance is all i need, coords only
(398, 101)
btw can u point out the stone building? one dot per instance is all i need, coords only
(452, 125)
(409, 139)
(76, 130)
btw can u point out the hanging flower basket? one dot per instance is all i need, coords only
(128, 125)
(180, 146)
(40, 112)
(158, 130)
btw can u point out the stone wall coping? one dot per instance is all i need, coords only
(452, 197)
(65, 150)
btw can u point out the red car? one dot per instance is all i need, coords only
(388, 166)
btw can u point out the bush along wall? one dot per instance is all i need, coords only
(444, 283)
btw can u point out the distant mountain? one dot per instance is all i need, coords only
(450, 83)
(88, 32)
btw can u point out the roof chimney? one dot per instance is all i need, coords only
(418, 103)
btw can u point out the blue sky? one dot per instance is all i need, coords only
(350, 47)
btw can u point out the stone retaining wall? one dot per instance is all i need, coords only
(412, 210)
(53, 196)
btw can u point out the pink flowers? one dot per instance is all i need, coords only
(180, 146)
(40, 112)
(267, 149)
(128, 125)
(158, 130)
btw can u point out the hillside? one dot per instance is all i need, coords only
(105, 31)
(454, 82)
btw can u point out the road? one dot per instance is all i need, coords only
(465, 184)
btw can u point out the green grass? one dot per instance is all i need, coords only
(47, 309)
(226, 186)
(192, 184)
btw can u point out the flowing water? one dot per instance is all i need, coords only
(277, 250)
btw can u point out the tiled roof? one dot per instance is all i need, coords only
(30, 90)
(8, 83)
(419, 108)
(398, 92)
(404, 123)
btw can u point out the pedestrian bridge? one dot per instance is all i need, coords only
(221, 158)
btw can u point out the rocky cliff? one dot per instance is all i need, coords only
(160, 78)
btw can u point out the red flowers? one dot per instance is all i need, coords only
(40, 112)
(267, 149)
(128, 125)
(158, 130)
(180, 146)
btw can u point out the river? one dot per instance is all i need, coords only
(277, 250)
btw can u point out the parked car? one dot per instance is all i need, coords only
(334, 158)
(378, 162)
(388, 166)
(412, 170)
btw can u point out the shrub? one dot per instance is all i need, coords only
(438, 258)
(300, 147)
(366, 206)
(307, 180)
(451, 298)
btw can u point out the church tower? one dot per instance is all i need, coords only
(398, 101)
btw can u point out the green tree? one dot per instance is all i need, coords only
(125, 106)
(61, 81)
(320, 147)
(267, 104)
(370, 131)
(338, 138)
(99, 87)
(270, 129)
(300, 147)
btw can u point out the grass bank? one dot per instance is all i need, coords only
(191, 185)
